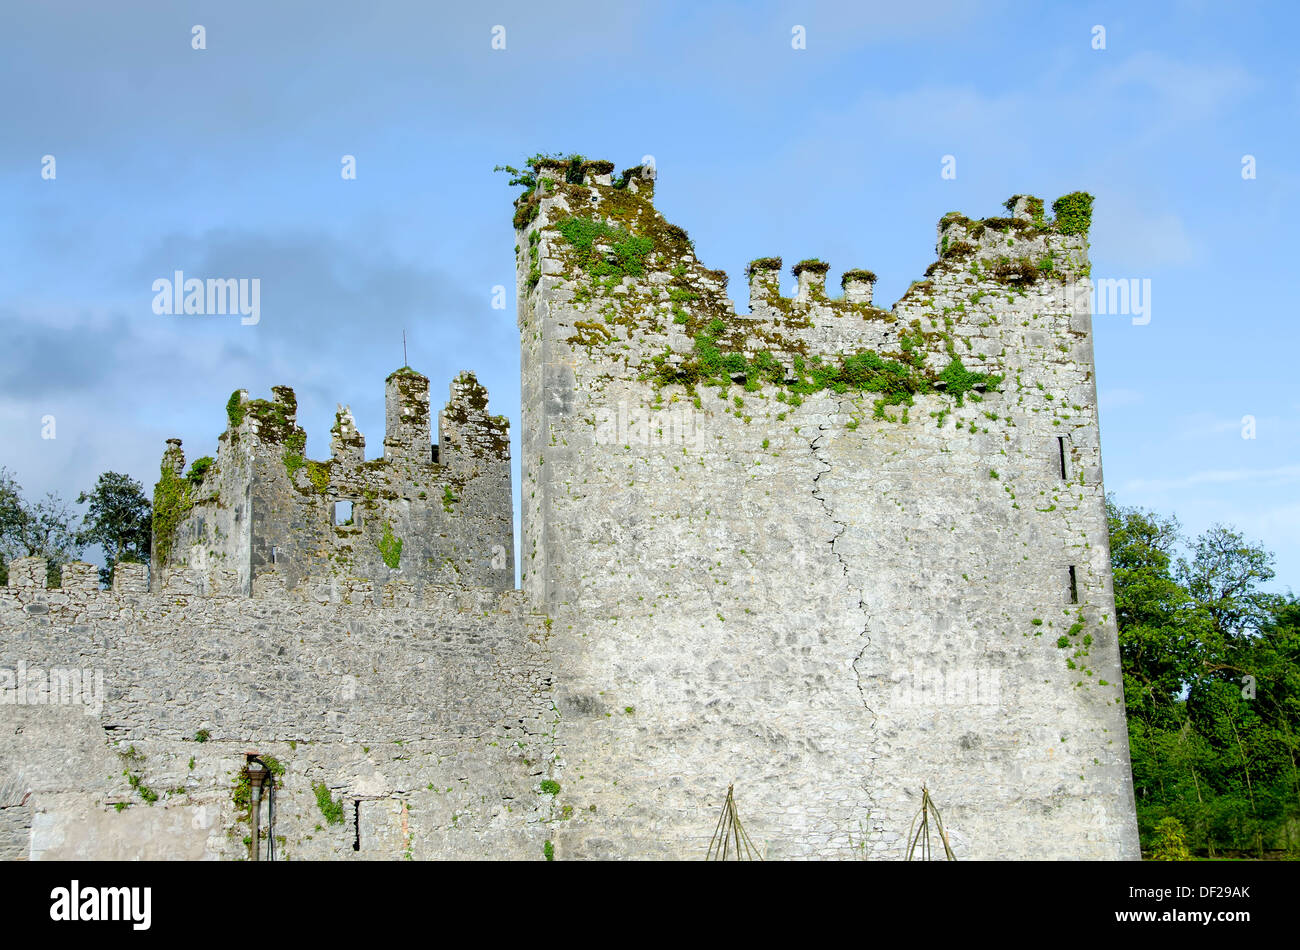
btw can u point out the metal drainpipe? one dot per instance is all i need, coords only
(257, 815)
(257, 773)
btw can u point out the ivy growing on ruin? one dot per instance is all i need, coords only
(1073, 212)
(173, 497)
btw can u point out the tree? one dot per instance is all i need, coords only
(119, 519)
(1223, 577)
(43, 528)
(1212, 686)
(11, 507)
(1170, 844)
(1163, 638)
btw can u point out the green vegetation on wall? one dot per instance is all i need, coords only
(390, 547)
(895, 381)
(198, 469)
(1073, 212)
(173, 498)
(597, 242)
(330, 807)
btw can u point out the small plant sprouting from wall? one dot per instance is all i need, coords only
(449, 498)
(331, 808)
(550, 787)
(234, 410)
(390, 547)
(730, 840)
(198, 469)
(143, 790)
(919, 834)
(548, 851)
(295, 444)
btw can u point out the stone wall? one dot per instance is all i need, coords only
(264, 514)
(826, 552)
(826, 594)
(430, 725)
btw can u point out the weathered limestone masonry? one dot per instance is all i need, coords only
(413, 731)
(822, 550)
(264, 514)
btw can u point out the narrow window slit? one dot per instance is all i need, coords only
(1060, 447)
(356, 821)
(1074, 586)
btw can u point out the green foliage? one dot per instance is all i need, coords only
(893, 381)
(202, 735)
(548, 851)
(1073, 212)
(295, 444)
(534, 260)
(449, 498)
(331, 808)
(144, 791)
(587, 236)
(1211, 684)
(198, 469)
(960, 381)
(319, 475)
(812, 264)
(29, 529)
(390, 547)
(550, 787)
(173, 497)
(526, 177)
(241, 793)
(861, 275)
(1170, 841)
(118, 519)
(234, 410)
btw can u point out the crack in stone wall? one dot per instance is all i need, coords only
(818, 452)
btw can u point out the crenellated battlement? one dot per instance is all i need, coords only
(78, 588)
(263, 514)
(627, 288)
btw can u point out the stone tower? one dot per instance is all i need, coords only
(826, 551)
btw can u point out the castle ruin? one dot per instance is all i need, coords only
(819, 551)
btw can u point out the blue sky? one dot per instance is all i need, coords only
(226, 162)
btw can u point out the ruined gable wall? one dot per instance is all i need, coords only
(265, 513)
